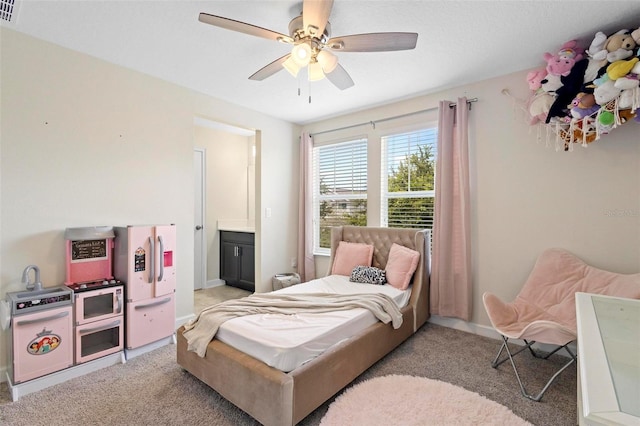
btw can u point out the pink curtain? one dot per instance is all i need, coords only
(306, 264)
(451, 286)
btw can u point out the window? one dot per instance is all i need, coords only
(340, 189)
(408, 179)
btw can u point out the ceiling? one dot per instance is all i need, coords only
(459, 42)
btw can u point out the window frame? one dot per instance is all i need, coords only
(385, 195)
(319, 198)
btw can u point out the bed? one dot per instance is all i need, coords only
(275, 397)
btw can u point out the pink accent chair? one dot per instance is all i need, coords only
(544, 311)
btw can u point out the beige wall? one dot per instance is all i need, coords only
(85, 142)
(527, 197)
(80, 137)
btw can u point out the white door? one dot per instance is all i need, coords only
(199, 234)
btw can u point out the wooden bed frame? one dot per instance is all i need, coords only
(276, 398)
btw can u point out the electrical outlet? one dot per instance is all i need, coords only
(267, 212)
(294, 262)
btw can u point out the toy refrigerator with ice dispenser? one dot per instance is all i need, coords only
(145, 260)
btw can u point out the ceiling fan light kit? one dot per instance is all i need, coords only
(315, 71)
(302, 53)
(309, 33)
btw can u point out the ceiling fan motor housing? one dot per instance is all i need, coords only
(298, 33)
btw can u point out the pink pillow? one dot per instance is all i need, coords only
(401, 265)
(350, 255)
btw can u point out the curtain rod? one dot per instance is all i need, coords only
(382, 120)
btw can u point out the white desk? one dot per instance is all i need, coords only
(608, 360)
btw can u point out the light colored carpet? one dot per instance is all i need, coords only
(152, 389)
(415, 401)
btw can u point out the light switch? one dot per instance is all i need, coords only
(267, 212)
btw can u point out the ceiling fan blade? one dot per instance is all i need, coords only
(340, 78)
(315, 14)
(269, 70)
(243, 27)
(374, 42)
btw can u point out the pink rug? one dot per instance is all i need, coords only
(409, 400)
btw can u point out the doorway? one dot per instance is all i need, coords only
(224, 190)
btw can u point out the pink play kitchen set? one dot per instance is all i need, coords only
(118, 301)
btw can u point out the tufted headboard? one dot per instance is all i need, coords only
(382, 239)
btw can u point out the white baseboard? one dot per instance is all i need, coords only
(486, 331)
(132, 353)
(21, 389)
(214, 283)
(183, 320)
(469, 327)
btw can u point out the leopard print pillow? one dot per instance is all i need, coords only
(368, 275)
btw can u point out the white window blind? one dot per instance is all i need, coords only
(340, 189)
(408, 179)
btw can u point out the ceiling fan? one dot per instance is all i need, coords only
(310, 36)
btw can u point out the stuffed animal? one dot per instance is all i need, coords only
(551, 83)
(571, 85)
(596, 49)
(619, 69)
(562, 62)
(584, 131)
(626, 115)
(635, 35)
(629, 81)
(595, 68)
(583, 105)
(629, 98)
(538, 106)
(606, 92)
(534, 78)
(605, 122)
(620, 46)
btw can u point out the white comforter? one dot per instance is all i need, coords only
(288, 341)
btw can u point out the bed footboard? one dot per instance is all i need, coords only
(263, 392)
(323, 377)
(275, 398)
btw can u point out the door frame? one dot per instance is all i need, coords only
(203, 211)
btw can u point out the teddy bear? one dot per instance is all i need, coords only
(562, 62)
(620, 46)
